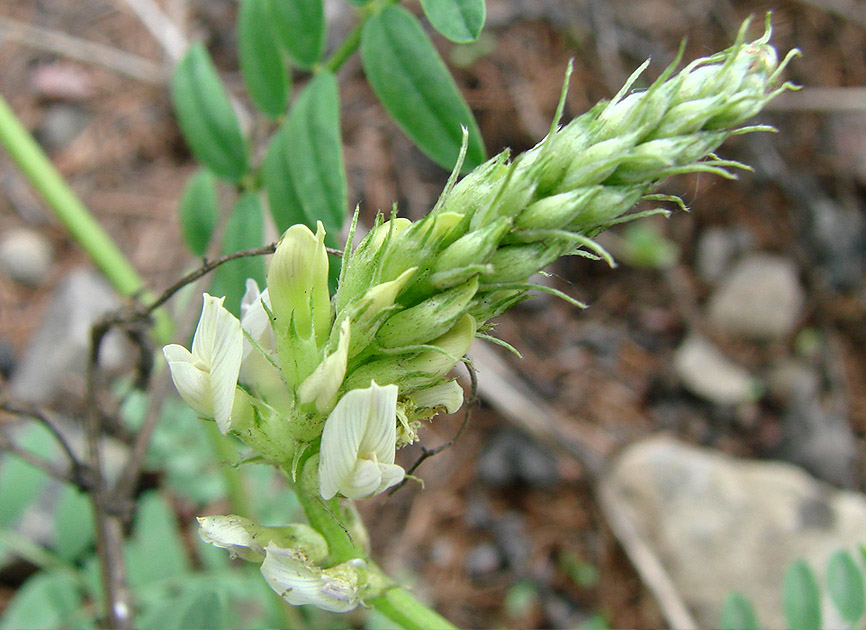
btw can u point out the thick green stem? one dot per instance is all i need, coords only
(45, 178)
(400, 606)
(335, 524)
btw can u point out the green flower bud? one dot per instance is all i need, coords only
(474, 248)
(298, 284)
(515, 263)
(416, 370)
(427, 320)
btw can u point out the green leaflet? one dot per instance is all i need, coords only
(414, 85)
(801, 597)
(738, 613)
(286, 207)
(845, 585)
(265, 72)
(206, 117)
(314, 154)
(46, 600)
(301, 29)
(244, 230)
(460, 21)
(199, 211)
(73, 524)
(21, 482)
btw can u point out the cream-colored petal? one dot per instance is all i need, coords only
(364, 480)
(447, 396)
(391, 475)
(293, 579)
(321, 386)
(341, 436)
(233, 533)
(361, 427)
(218, 343)
(191, 382)
(380, 433)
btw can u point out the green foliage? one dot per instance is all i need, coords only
(156, 550)
(245, 230)
(265, 72)
(46, 600)
(199, 211)
(206, 117)
(73, 524)
(645, 246)
(314, 153)
(738, 613)
(20, 481)
(414, 85)
(801, 597)
(460, 21)
(845, 586)
(286, 207)
(300, 26)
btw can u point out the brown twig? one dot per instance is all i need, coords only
(18, 409)
(55, 470)
(109, 526)
(82, 50)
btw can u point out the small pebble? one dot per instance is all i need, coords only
(25, 256)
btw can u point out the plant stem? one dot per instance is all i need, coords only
(349, 45)
(45, 178)
(401, 606)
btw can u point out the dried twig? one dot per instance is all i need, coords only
(56, 471)
(83, 50)
(160, 26)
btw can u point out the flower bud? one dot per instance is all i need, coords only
(298, 284)
(474, 248)
(427, 320)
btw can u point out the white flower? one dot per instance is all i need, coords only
(356, 458)
(294, 579)
(206, 378)
(236, 534)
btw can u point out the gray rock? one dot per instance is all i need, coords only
(58, 351)
(718, 523)
(716, 248)
(25, 256)
(512, 458)
(761, 299)
(817, 436)
(706, 372)
(61, 125)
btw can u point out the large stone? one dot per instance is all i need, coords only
(59, 349)
(707, 373)
(25, 256)
(760, 299)
(719, 524)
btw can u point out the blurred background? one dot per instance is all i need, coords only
(735, 331)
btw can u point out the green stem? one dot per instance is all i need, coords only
(400, 606)
(45, 178)
(397, 603)
(349, 45)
